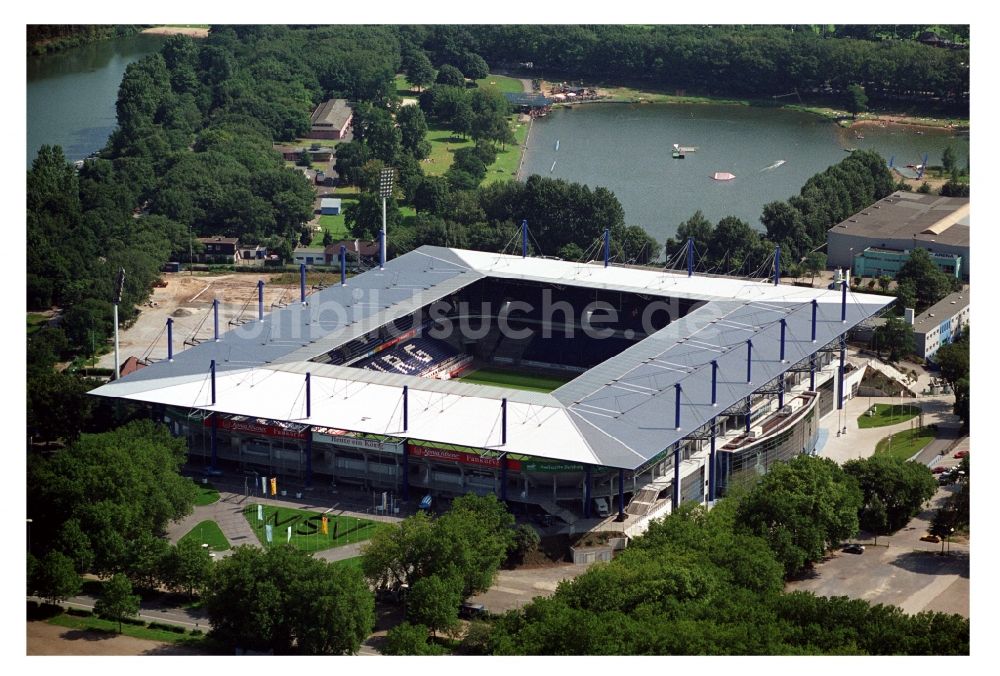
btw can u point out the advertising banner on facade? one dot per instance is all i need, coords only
(258, 428)
(328, 435)
(442, 454)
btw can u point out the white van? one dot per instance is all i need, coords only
(601, 507)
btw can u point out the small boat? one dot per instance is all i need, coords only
(557, 144)
(773, 166)
(723, 176)
(858, 135)
(553, 167)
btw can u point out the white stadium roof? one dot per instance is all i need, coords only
(618, 414)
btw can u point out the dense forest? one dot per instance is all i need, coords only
(756, 62)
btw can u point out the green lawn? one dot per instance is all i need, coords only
(306, 534)
(335, 224)
(208, 532)
(888, 414)
(354, 562)
(904, 445)
(111, 628)
(501, 83)
(519, 381)
(36, 321)
(207, 494)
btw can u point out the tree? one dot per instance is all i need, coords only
(54, 578)
(784, 225)
(949, 160)
(883, 283)
(857, 100)
(893, 491)
(410, 639)
(815, 263)
(474, 66)
(413, 127)
(363, 218)
(121, 486)
(186, 567)
(283, 600)
(468, 544)
(117, 601)
(930, 284)
(433, 602)
(433, 195)
(450, 76)
(801, 507)
(327, 238)
(419, 71)
(895, 336)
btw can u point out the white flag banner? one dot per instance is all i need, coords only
(260, 512)
(263, 485)
(268, 532)
(289, 534)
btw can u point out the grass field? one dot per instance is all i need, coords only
(208, 532)
(133, 630)
(207, 494)
(354, 562)
(336, 224)
(886, 414)
(36, 321)
(904, 445)
(306, 535)
(519, 381)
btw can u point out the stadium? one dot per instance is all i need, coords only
(580, 390)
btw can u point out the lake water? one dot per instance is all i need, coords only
(626, 148)
(71, 94)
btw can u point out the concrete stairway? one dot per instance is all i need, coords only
(557, 511)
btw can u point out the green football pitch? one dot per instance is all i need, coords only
(520, 381)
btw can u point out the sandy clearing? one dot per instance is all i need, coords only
(178, 30)
(49, 639)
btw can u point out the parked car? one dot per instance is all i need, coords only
(854, 548)
(961, 454)
(939, 469)
(931, 538)
(471, 611)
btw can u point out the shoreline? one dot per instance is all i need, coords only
(620, 94)
(177, 30)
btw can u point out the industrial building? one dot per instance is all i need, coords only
(877, 240)
(674, 384)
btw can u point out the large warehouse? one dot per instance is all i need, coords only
(664, 386)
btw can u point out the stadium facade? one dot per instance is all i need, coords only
(673, 383)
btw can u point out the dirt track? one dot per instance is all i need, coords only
(48, 639)
(188, 300)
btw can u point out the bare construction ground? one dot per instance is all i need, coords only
(49, 639)
(188, 300)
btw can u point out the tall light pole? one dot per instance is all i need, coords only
(119, 286)
(385, 179)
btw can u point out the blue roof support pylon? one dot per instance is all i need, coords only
(843, 301)
(677, 406)
(343, 265)
(749, 359)
(308, 395)
(170, 339)
(212, 370)
(690, 256)
(607, 246)
(524, 238)
(784, 326)
(406, 407)
(503, 421)
(777, 265)
(815, 307)
(260, 299)
(302, 283)
(215, 313)
(715, 380)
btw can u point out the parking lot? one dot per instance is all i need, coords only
(900, 570)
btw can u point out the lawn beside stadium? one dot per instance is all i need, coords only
(519, 381)
(307, 534)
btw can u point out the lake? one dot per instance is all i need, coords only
(71, 94)
(626, 148)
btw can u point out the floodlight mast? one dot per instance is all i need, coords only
(385, 179)
(119, 287)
